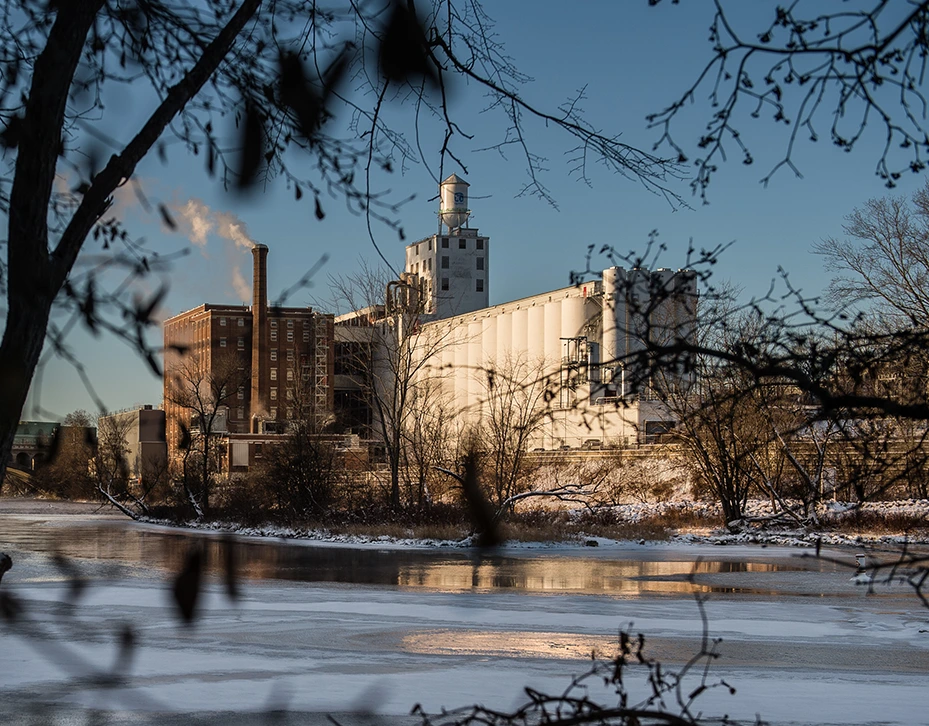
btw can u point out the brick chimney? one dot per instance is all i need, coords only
(260, 381)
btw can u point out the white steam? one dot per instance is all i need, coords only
(199, 221)
(240, 285)
(230, 227)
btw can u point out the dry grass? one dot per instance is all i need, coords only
(545, 525)
(880, 523)
(525, 526)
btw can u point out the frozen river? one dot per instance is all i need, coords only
(321, 629)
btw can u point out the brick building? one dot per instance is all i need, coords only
(266, 364)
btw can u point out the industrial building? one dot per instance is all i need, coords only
(142, 434)
(572, 350)
(261, 366)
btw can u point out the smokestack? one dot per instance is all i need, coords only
(259, 397)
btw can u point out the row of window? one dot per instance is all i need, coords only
(240, 414)
(479, 262)
(478, 285)
(416, 267)
(240, 344)
(462, 245)
(241, 323)
(290, 339)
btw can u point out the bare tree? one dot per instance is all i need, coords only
(392, 353)
(428, 439)
(67, 470)
(205, 391)
(299, 474)
(883, 264)
(515, 404)
(111, 466)
(812, 72)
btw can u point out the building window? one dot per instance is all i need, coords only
(480, 244)
(445, 283)
(480, 263)
(258, 451)
(429, 264)
(222, 321)
(241, 322)
(240, 394)
(290, 394)
(290, 374)
(273, 394)
(273, 413)
(290, 323)
(290, 336)
(445, 262)
(479, 285)
(274, 336)
(222, 342)
(274, 323)
(240, 413)
(462, 244)
(290, 413)
(306, 336)
(445, 242)
(241, 343)
(290, 354)
(274, 374)
(430, 245)
(274, 354)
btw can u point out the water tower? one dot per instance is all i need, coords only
(453, 203)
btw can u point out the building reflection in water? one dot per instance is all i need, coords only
(438, 570)
(577, 575)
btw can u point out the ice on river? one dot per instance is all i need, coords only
(817, 655)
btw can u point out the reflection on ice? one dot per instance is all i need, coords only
(509, 644)
(560, 575)
(438, 570)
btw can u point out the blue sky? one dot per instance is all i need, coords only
(633, 60)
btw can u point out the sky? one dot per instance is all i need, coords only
(631, 60)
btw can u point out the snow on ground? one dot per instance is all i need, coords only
(830, 514)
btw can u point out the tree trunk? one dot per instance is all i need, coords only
(34, 275)
(394, 460)
(205, 480)
(19, 354)
(30, 286)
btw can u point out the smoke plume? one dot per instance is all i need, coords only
(240, 285)
(198, 221)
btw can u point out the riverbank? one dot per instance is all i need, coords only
(887, 525)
